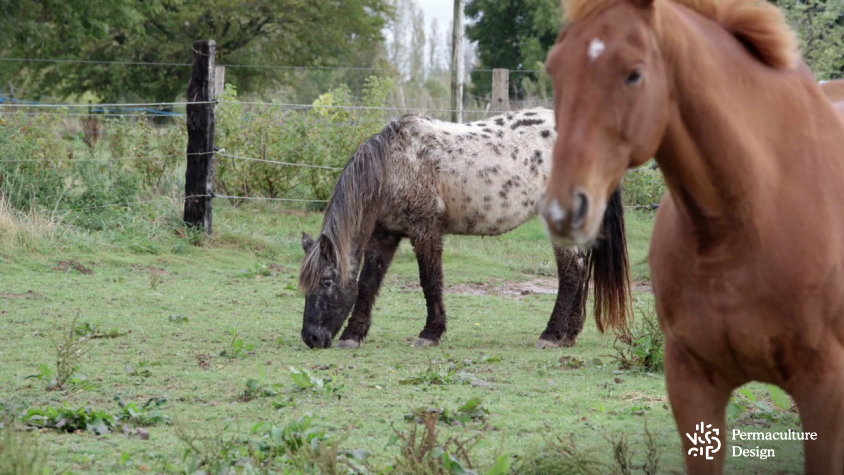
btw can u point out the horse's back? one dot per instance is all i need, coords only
(491, 174)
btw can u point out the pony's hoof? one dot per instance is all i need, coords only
(543, 344)
(567, 342)
(348, 344)
(424, 343)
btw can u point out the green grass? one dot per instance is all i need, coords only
(181, 304)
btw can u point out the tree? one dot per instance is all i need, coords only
(513, 34)
(517, 34)
(292, 32)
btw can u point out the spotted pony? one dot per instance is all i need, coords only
(423, 178)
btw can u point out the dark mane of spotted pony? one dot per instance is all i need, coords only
(359, 183)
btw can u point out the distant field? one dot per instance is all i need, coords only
(195, 323)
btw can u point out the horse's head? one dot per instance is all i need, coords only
(611, 102)
(328, 299)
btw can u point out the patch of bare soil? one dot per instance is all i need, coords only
(506, 289)
(65, 266)
(517, 290)
(280, 269)
(644, 287)
(152, 270)
(29, 294)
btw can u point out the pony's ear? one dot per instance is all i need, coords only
(642, 3)
(326, 249)
(307, 242)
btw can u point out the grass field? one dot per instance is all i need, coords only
(193, 320)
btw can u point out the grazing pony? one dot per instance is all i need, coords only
(422, 178)
(747, 255)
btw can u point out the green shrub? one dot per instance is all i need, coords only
(326, 134)
(301, 446)
(642, 347)
(43, 167)
(65, 419)
(148, 414)
(820, 27)
(643, 187)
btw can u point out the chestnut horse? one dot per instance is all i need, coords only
(747, 255)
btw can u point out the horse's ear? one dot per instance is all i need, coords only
(326, 249)
(307, 242)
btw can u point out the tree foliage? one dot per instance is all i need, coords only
(291, 32)
(513, 34)
(517, 34)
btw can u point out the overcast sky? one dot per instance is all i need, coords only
(442, 10)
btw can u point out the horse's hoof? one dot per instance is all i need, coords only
(424, 343)
(348, 344)
(567, 342)
(543, 344)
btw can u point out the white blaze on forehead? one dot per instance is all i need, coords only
(596, 47)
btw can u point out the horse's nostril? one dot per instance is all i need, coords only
(581, 209)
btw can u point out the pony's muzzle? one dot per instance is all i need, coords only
(564, 221)
(316, 337)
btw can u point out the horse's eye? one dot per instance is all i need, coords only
(635, 77)
(325, 283)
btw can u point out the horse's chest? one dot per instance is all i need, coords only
(751, 320)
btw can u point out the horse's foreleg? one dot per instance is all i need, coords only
(567, 318)
(698, 399)
(429, 255)
(379, 253)
(820, 398)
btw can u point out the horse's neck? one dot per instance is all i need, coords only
(725, 150)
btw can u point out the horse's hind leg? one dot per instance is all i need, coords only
(379, 253)
(569, 312)
(429, 255)
(819, 395)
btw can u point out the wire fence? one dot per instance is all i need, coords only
(119, 111)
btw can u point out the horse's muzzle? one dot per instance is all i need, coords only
(316, 337)
(565, 222)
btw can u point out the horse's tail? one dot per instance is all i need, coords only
(352, 204)
(608, 269)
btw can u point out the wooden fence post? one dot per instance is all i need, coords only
(219, 81)
(457, 63)
(199, 176)
(500, 90)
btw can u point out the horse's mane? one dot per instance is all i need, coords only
(757, 24)
(354, 195)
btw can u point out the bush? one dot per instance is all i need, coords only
(644, 186)
(326, 134)
(643, 347)
(820, 27)
(47, 168)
